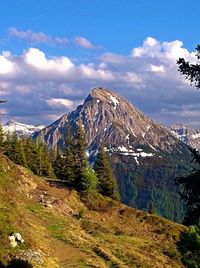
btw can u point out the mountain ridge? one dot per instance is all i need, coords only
(21, 128)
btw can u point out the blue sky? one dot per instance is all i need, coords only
(56, 51)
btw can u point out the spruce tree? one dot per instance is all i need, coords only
(58, 165)
(69, 158)
(44, 167)
(21, 151)
(30, 153)
(13, 149)
(106, 183)
(190, 191)
(81, 180)
(7, 143)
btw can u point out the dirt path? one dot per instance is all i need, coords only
(66, 254)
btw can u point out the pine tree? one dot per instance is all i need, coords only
(13, 149)
(7, 144)
(58, 165)
(81, 180)
(69, 158)
(30, 153)
(21, 152)
(44, 167)
(190, 191)
(106, 183)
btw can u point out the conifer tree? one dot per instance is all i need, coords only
(69, 158)
(21, 151)
(13, 149)
(190, 191)
(30, 153)
(7, 143)
(81, 180)
(58, 165)
(106, 183)
(44, 167)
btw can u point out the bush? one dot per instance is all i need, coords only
(189, 247)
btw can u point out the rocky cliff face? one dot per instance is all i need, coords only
(146, 156)
(187, 135)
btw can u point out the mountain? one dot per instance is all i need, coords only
(42, 225)
(20, 128)
(145, 156)
(187, 135)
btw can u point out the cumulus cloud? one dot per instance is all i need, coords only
(6, 66)
(60, 102)
(38, 59)
(40, 88)
(37, 37)
(83, 42)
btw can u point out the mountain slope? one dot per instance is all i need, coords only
(20, 128)
(145, 156)
(187, 135)
(60, 230)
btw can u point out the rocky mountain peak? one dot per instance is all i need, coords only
(110, 119)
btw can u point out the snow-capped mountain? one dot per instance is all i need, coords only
(187, 135)
(20, 128)
(145, 156)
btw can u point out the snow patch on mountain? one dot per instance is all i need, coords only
(187, 135)
(21, 129)
(114, 100)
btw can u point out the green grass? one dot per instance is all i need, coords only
(57, 230)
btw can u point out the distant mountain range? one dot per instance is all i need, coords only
(20, 128)
(187, 135)
(145, 156)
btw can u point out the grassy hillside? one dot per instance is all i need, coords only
(60, 230)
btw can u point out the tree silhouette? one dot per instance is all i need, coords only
(189, 70)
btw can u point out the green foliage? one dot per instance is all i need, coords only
(189, 70)
(143, 183)
(58, 166)
(69, 158)
(106, 182)
(34, 155)
(190, 191)
(82, 176)
(189, 247)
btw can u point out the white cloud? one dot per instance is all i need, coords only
(156, 69)
(96, 74)
(37, 58)
(83, 42)
(6, 66)
(37, 37)
(40, 87)
(60, 102)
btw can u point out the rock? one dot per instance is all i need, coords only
(11, 238)
(32, 256)
(13, 244)
(48, 205)
(17, 236)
